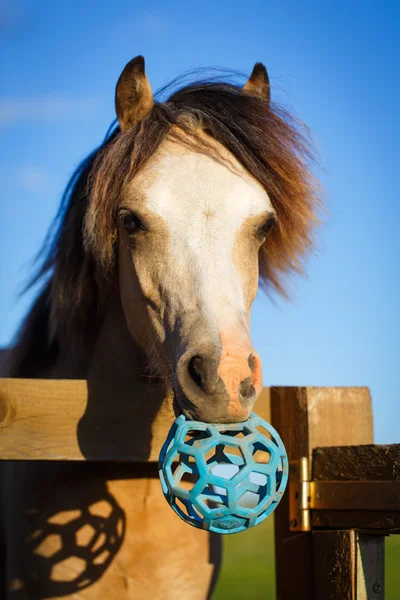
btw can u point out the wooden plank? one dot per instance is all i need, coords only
(293, 552)
(307, 418)
(364, 520)
(334, 562)
(357, 463)
(373, 466)
(355, 495)
(80, 420)
(348, 565)
(38, 419)
(370, 577)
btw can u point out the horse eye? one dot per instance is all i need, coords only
(266, 228)
(132, 223)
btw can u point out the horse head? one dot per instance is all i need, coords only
(205, 203)
(185, 208)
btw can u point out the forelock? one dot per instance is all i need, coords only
(271, 145)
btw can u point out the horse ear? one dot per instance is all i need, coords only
(133, 95)
(258, 83)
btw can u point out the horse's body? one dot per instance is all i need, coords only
(152, 275)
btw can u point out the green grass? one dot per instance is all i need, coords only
(392, 567)
(248, 566)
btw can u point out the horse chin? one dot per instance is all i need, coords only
(182, 405)
(219, 414)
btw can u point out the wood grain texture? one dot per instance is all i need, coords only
(348, 565)
(334, 562)
(339, 416)
(293, 551)
(306, 418)
(363, 520)
(355, 495)
(364, 463)
(38, 418)
(80, 420)
(357, 463)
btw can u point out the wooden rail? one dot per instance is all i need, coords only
(76, 420)
(356, 487)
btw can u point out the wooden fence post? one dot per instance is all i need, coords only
(307, 418)
(348, 565)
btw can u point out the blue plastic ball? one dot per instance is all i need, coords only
(223, 478)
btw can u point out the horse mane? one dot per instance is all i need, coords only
(79, 255)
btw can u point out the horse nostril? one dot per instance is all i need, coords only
(251, 363)
(195, 366)
(247, 390)
(204, 373)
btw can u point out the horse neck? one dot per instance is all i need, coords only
(116, 357)
(116, 370)
(123, 403)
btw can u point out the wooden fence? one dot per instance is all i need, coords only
(343, 496)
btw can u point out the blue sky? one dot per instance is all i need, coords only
(335, 63)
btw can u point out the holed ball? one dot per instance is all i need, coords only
(223, 477)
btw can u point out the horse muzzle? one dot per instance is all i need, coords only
(217, 387)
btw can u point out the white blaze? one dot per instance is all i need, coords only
(204, 204)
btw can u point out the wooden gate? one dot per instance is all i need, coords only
(343, 496)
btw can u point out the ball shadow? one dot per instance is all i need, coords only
(71, 539)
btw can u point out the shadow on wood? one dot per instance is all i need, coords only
(118, 424)
(69, 531)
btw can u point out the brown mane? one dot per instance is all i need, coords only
(80, 264)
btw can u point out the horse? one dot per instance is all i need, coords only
(164, 234)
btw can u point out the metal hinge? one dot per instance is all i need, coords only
(306, 495)
(299, 495)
